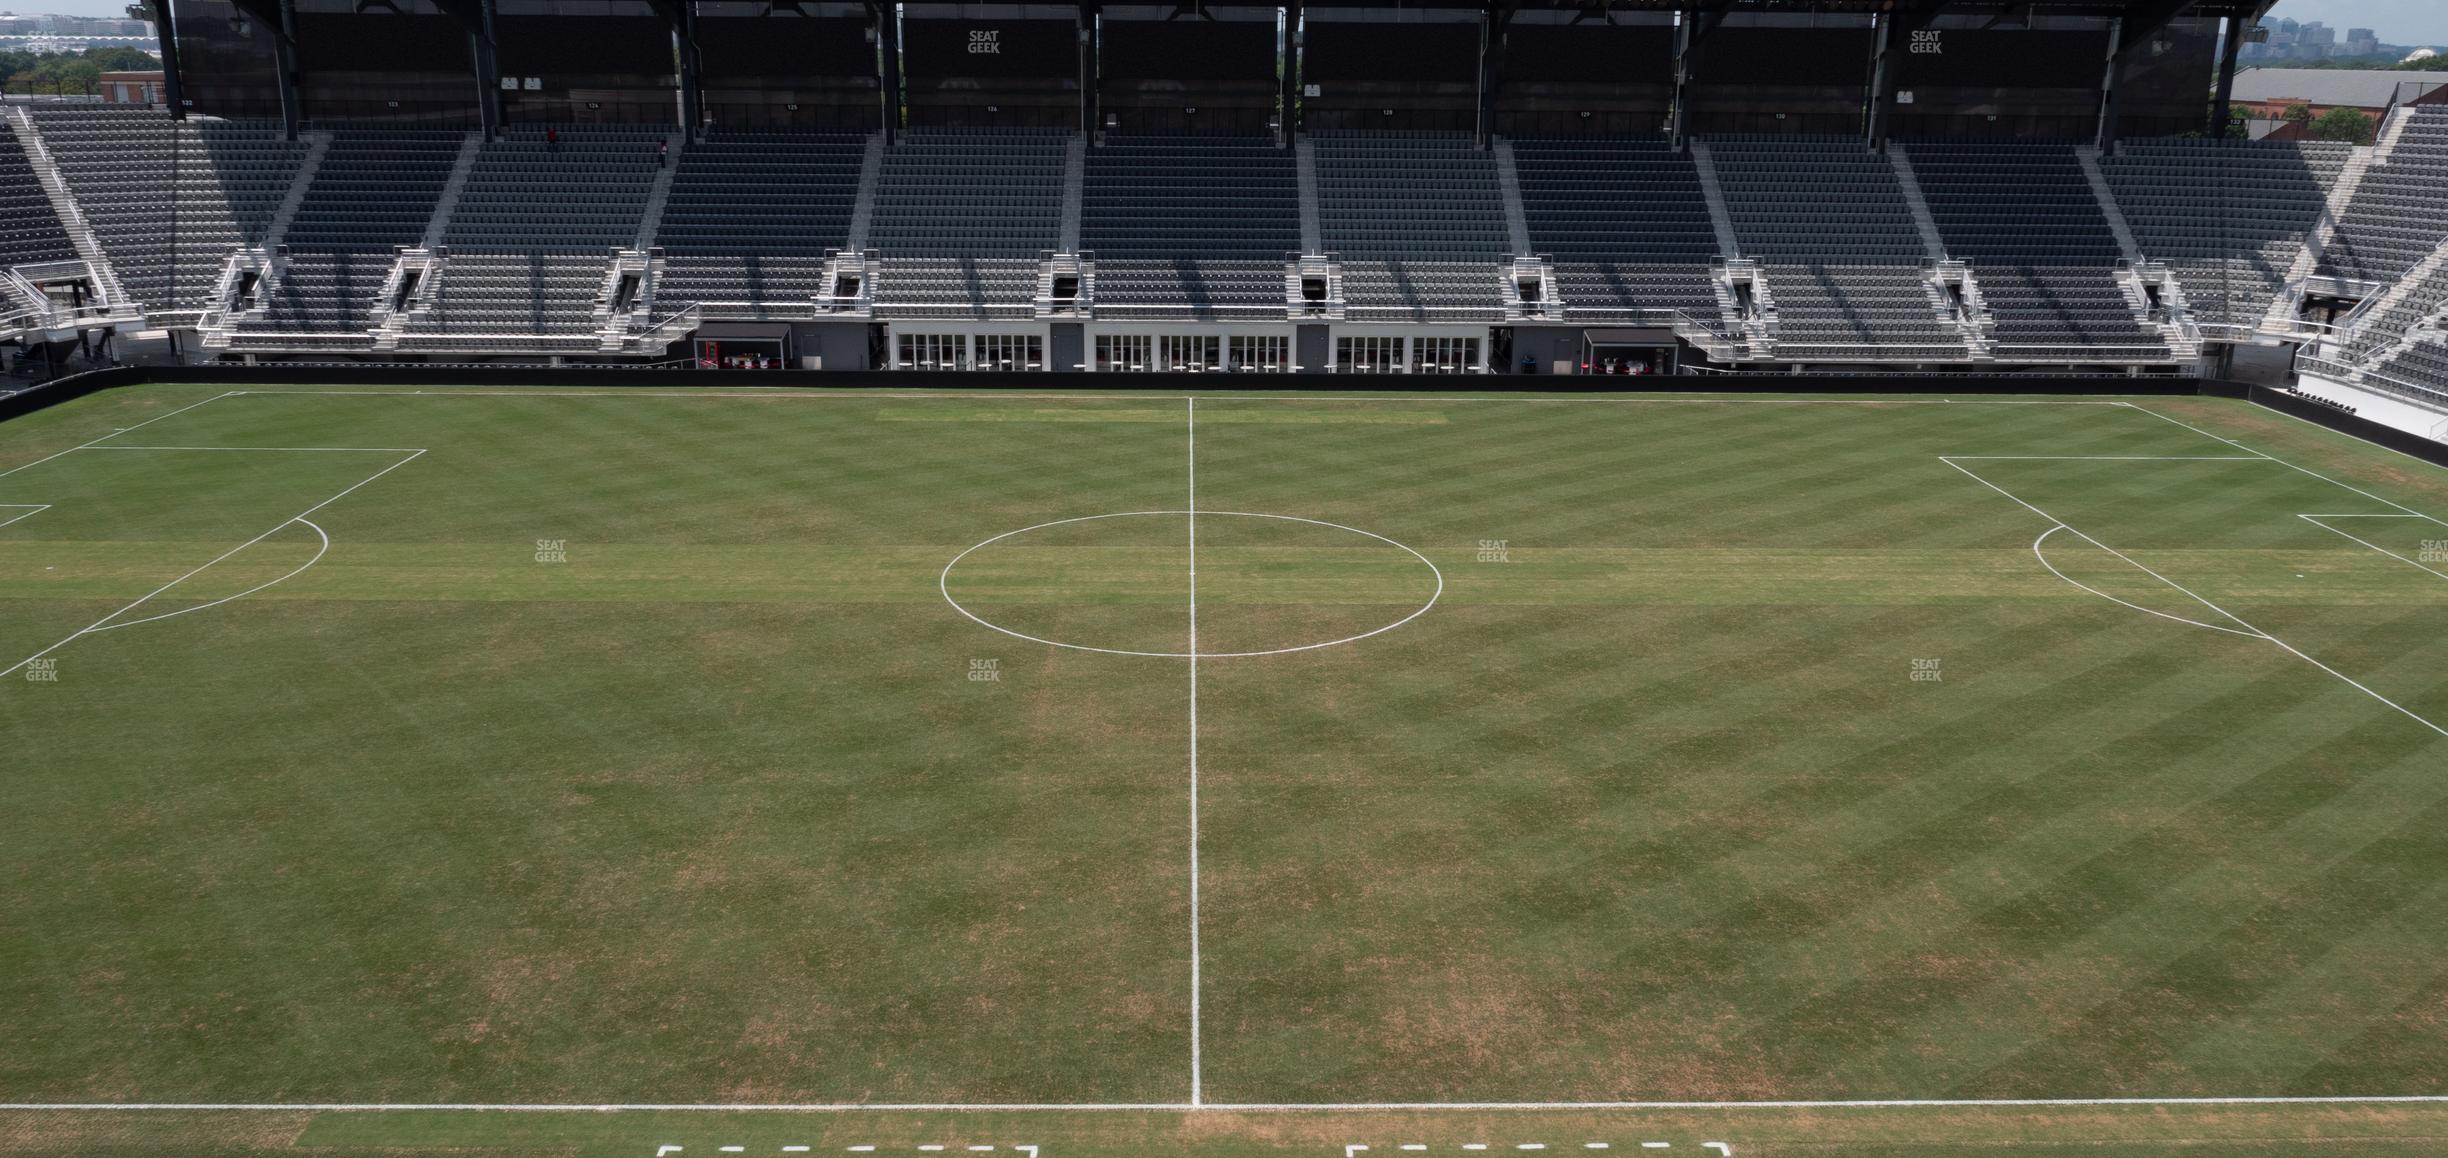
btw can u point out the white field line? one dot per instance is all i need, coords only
(2315, 520)
(2128, 559)
(2350, 681)
(2109, 457)
(817, 392)
(2282, 462)
(1197, 1062)
(98, 625)
(30, 509)
(1207, 1107)
(1254, 1107)
(943, 585)
(2044, 561)
(116, 433)
(302, 568)
(299, 449)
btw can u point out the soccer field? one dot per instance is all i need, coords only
(1238, 774)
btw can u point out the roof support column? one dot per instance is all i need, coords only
(165, 29)
(1495, 18)
(1287, 58)
(1091, 30)
(475, 17)
(274, 17)
(688, 60)
(2224, 110)
(2106, 137)
(887, 17)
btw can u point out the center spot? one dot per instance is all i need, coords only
(1122, 583)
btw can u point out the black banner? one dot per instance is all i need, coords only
(1785, 56)
(1589, 53)
(1012, 48)
(380, 42)
(549, 46)
(1188, 50)
(785, 46)
(1420, 53)
(2003, 58)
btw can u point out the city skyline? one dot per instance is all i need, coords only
(2396, 21)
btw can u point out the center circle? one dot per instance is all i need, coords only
(1135, 567)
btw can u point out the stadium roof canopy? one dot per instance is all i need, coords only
(2370, 88)
(2007, 13)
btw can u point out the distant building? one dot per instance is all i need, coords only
(2267, 93)
(131, 88)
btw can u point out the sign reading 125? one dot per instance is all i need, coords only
(984, 41)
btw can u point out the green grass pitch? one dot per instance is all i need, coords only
(650, 748)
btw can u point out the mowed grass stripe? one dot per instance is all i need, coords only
(560, 822)
(1861, 801)
(2175, 896)
(1848, 810)
(762, 782)
(2364, 877)
(1169, 415)
(1536, 694)
(1470, 855)
(2323, 1001)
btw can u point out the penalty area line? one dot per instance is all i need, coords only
(2315, 520)
(104, 623)
(2232, 617)
(116, 433)
(2282, 462)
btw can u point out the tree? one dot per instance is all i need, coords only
(69, 72)
(2351, 125)
(121, 58)
(2297, 115)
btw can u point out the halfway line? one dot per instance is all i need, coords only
(1195, 1058)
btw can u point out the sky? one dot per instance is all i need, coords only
(66, 7)
(2397, 21)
